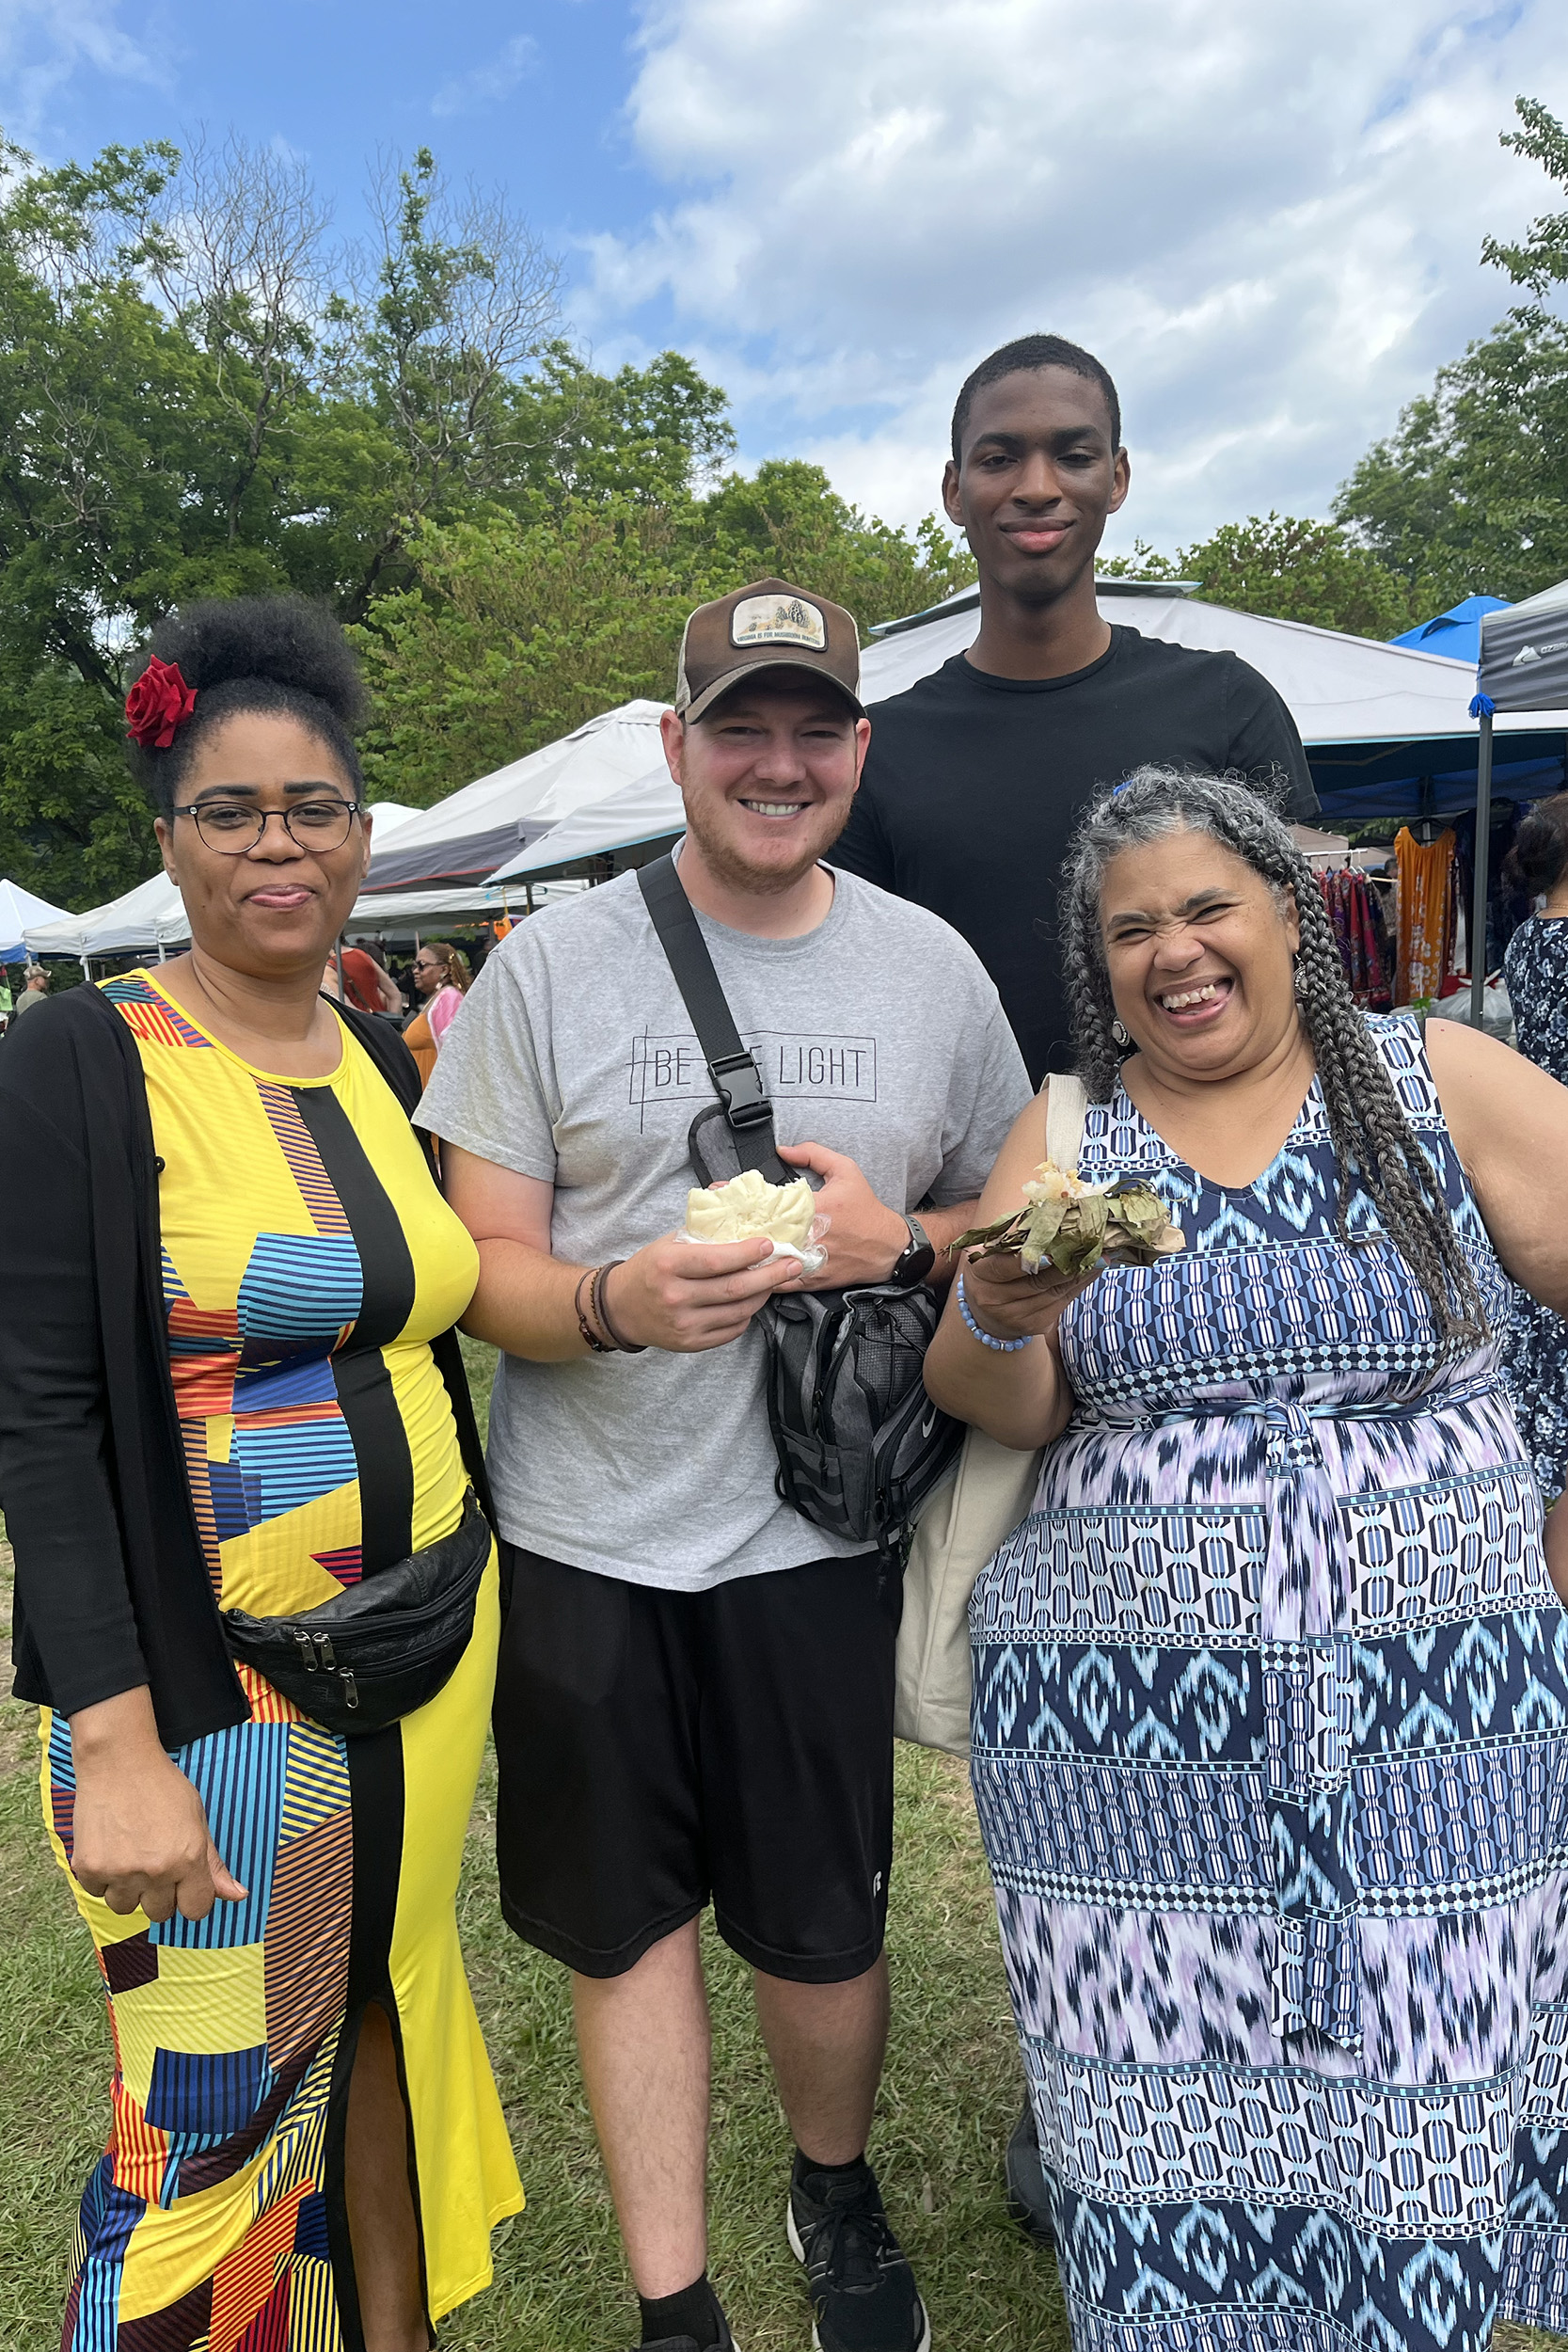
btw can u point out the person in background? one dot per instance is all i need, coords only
(1535, 967)
(368, 986)
(34, 991)
(442, 976)
(228, 1381)
(977, 774)
(1271, 1687)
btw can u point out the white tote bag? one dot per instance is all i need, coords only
(962, 1526)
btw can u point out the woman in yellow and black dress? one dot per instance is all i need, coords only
(220, 1389)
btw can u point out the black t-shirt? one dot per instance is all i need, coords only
(973, 786)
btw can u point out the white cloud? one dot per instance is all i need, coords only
(1265, 218)
(485, 85)
(43, 42)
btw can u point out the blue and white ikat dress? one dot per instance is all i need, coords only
(1271, 1753)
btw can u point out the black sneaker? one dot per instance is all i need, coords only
(864, 2297)
(1028, 2199)
(688, 2343)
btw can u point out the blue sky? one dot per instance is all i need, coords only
(531, 98)
(1266, 219)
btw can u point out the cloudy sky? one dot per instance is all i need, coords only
(1265, 217)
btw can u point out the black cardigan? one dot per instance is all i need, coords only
(112, 1589)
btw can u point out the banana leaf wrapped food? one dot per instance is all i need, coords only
(1073, 1226)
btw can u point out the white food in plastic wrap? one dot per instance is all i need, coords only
(749, 1207)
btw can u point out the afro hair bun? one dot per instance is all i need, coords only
(284, 639)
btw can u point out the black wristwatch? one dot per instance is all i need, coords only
(918, 1259)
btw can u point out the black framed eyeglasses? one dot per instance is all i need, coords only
(232, 827)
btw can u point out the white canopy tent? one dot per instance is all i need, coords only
(1340, 690)
(645, 810)
(425, 914)
(461, 840)
(151, 918)
(18, 908)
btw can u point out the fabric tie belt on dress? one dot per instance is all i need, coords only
(1282, 1409)
(1305, 1663)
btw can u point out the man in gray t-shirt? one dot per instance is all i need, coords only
(694, 1697)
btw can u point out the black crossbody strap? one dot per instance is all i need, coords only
(736, 1079)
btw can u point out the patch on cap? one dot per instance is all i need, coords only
(779, 620)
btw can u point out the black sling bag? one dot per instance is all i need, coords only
(859, 1442)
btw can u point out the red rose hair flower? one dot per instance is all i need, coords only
(156, 703)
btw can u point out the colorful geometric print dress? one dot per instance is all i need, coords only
(1270, 1754)
(307, 1261)
(1536, 1350)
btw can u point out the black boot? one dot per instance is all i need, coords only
(1028, 2199)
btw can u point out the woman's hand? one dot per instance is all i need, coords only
(140, 1840)
(1012, 1305)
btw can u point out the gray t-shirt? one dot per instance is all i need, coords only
(574, 1061)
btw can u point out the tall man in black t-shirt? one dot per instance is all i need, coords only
(976, 775)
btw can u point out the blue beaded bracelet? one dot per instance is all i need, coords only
(987, 1339)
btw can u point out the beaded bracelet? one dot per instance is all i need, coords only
(987, 1339)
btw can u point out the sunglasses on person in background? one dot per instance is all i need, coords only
(232, 827)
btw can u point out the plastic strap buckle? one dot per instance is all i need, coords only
(738, 1084)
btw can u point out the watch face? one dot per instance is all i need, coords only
(917, 1260)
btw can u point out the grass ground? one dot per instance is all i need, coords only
(950, 2098)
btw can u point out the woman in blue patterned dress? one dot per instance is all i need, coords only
(1536, 969)
(1270, 1689)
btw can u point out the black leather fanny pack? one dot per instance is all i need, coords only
(381, 1648)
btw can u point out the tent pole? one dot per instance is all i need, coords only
(1483, 856)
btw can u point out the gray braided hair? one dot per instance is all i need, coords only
(1373, 1142)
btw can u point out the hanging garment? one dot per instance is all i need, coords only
(1359, 929)
(1428, 913)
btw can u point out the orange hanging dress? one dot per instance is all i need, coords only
(1428, 914)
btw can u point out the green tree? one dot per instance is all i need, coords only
(1288, 569)
(199, 394)
(651, 435)
(1469, 494)
(195, 401)
(1542, 261)
(1297, 570)
(106, 471)
(788, 520)
(516, 630)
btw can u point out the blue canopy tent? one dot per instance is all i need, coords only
(1439, 776)
(1455, 633)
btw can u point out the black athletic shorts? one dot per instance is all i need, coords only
(658, 1749)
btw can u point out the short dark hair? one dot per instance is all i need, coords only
(1019, 359)
(1540, 852)
(280, 653)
